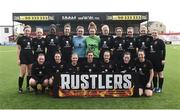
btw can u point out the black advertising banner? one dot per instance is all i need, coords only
(96, 85)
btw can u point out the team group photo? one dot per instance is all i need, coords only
(45, 58)
(89, 54)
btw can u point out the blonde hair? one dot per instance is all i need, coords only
(143, 27)
(92, 25)
(27, 26)
(39, 30)
(105, 26)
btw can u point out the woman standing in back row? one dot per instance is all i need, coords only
(52, 43)
(106, 43)
(118, 46)
(38, 43)
(93, 41)
(79, 43)
(158, 53)
(66, 44)
(24, 57)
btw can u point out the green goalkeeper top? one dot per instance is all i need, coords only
(92, 43)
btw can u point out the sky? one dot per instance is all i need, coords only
(165, 11)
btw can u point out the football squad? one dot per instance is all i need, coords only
(91, 65)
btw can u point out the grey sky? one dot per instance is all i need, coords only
(165, 11)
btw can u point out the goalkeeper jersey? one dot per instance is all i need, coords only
(92, 43)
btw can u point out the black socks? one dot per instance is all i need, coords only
(20, 82)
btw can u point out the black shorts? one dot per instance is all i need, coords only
(158, 68)
(144, 87)
(142, 84)
(26, 58)
(39, 80)
(157, 64)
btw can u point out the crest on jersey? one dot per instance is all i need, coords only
(79, 45)
(144, 65)
(94, 65)
(90, 70)
(43, 42)
(78, 69)
(148, 39)
(61, 66)
(110, 66)
(155, 43)
(40, 72)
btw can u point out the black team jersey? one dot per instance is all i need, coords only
(39, 46)
(52, 43)
(73, 69)
(157, 53)
(129, 68)
(125, 68)
(158, 49)
(105, 44)
(40, 72)
(131, 45)
(105, 68)
(66, 48)
(26, 53)
(26, 44)
(57, 68)
(87, 67)
(143, 70)
(119, 48)
(144, 42)
(109, 67)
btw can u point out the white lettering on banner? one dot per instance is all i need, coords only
(127, 83)
(93, 77)
(117, 81)
(108, 81)
(85, 84)
(94, 81)
(75, 81)
(65, 81)
(100, 81)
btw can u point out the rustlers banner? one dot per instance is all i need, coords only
(96, 85)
